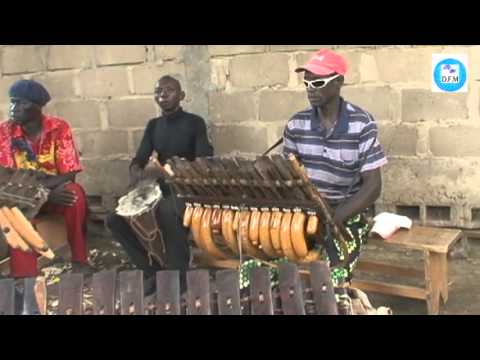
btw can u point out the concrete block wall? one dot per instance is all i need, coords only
(248, 92)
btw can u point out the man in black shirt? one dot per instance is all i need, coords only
(175, 133)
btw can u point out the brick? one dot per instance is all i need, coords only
(434, 182)
(80, 114)
(219, 73)
(404, 65)
(137, 139)
(4, 109)
(368, 68)
(275, 133)
(233, 108)
(102, 143)
(62, 57)
(418, 105)
(5, 83)
(105, 176)
(398, 140)
(299, 47)
(130, 112)
(219, 50)
(259, 70)
(104, 82)
(169, 52)
(23, 59)
(281, 105)
(239, 138)
(60, 84)
(380, 101)
(473, 60)
(50, 109)
(145, 76)
(455, 141)
(120, 54)
(353, 59)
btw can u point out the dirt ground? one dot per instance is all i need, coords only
(464, 274)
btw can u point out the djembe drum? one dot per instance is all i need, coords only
(138, 208)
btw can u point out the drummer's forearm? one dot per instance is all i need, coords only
(368, 193)
(52, 181)
(143, 154)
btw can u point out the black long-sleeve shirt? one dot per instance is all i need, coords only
(179, 134)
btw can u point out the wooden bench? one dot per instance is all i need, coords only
(435, 244)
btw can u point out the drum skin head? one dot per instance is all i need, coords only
(143, 198)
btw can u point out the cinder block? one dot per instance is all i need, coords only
(247, 139)
(104, 82)
(455, 141)
(102, 143)
(249, 71)
(17, 59)
(219, 50)
(80, 114)
(120, 54)
(169, 52)
(281, 105)
(398, 139)
(422, 105)
(382, 102)
(62, 57)
(130, 112)
(232, 108)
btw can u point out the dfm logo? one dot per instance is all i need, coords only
(449, 73)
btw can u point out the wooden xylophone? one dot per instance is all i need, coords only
(21, 197)
(264, 208)
(22, 188)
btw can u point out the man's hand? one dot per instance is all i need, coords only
(62, 196)
(367, 194)
(53, 181)
(153, 172)
(340, 216)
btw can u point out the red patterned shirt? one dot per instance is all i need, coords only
(54, 152)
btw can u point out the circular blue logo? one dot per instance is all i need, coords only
(450, 75)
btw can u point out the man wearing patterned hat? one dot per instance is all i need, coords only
(33, 140)
(336, 141)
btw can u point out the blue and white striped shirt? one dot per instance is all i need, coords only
(332, 158)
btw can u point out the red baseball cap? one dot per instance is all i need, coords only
(325, 62)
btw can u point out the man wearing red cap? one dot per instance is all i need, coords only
(337, 143)
(32, 140)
